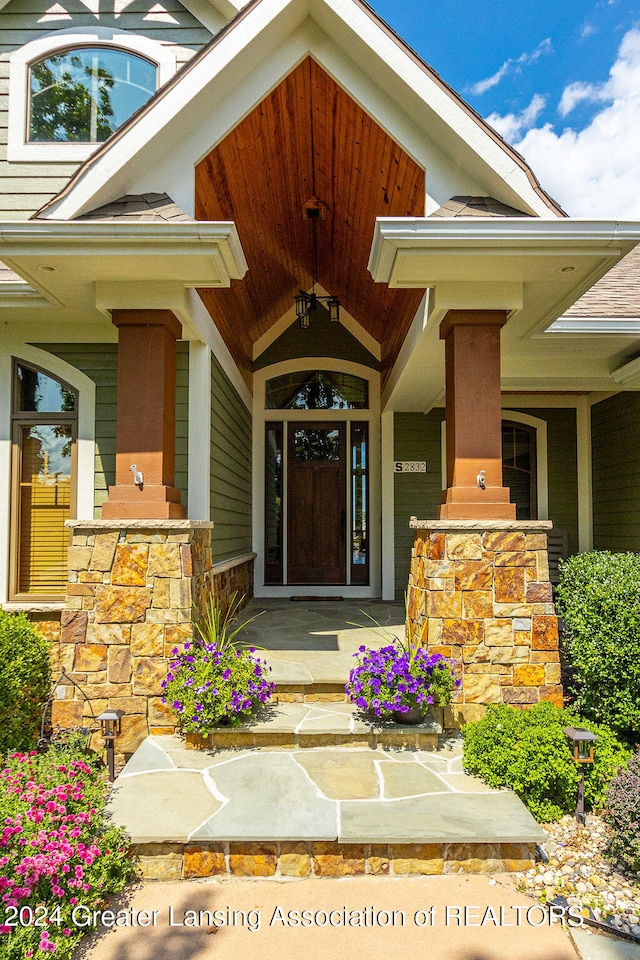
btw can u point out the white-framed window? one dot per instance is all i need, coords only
(47, 461)
(69, 90)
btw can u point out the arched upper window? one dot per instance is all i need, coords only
(317, 390)
(84, 94)
(70, 89)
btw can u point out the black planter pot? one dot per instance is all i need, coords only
(412, 715)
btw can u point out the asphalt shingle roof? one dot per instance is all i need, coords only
(140, 207)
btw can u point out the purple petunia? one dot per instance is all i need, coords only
(396, 678)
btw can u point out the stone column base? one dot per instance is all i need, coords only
(134, 586)
(479, 592)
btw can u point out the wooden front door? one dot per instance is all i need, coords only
(316, 494)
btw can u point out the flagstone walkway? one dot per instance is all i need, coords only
(319, 625)
(168, 794)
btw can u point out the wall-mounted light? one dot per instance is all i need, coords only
(138, 476)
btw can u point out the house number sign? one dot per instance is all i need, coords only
(410, 466)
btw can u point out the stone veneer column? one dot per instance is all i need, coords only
(474, 417)
(481, 593)
(132, 589)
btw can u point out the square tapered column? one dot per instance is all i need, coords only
(146, 417)
(474, 417)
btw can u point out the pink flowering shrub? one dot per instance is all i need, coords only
(57, 851)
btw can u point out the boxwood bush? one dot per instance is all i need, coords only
(621, 813)
(25, 681)
(599, 600)
(527, 751)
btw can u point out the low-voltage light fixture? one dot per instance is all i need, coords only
(110, 725)
(582, 742)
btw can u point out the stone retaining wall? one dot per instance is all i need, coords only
(174, 861)
(479, 592)
(132, 591)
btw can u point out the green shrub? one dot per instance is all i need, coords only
(527, 751)
(623, 803)
(599, 600)
(25, 681)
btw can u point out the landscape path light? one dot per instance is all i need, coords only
(110, 724)
(583, 741)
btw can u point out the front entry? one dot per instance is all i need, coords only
(316, 513)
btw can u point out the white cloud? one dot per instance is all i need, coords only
(513, 125)
(593, 172)
(511, 65)
(574, 94)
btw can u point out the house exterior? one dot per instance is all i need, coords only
(261, 268)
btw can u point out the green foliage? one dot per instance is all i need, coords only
(599, 600)
(25, 681)
(527, 751)
(211, 680)
(621, 813)
(62, 103)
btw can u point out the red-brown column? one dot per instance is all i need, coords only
(474, 417)
(146, 417)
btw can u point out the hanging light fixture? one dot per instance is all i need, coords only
(314, 209)
(307, 303)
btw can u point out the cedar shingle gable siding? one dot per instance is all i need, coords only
(26, 186)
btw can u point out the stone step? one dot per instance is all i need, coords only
(316, 813)
(290, 724)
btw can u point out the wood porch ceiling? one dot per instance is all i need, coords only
(308, 137)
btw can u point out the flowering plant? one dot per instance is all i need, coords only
(392, 680)
(212, 680)
(400, 676)
(57, 852)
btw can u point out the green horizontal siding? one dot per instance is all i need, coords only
(615, 438)
(230, 468)
(99, 361)
(182, 421)
(416, 437)
(25, 186)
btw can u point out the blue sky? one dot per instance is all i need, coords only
(560, 79)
